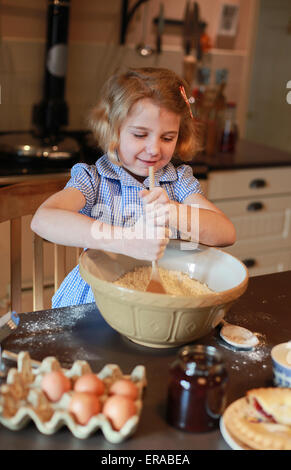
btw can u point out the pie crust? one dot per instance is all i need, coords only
(241, 423)
(275, 402)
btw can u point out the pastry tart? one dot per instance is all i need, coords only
(262, 419)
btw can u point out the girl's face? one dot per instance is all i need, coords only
(148, 137)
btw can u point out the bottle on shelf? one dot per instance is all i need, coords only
(216, 105)
(210, 103)
(229, 130)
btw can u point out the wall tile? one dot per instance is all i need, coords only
(26, 56)
(89, 65)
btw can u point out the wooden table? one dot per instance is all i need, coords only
(81, 333)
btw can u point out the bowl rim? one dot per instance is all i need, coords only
(241, 287)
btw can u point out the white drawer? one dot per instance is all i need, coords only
(254, 206)
(265, 263)
(259, 245)
(261, 217)
(248, 183)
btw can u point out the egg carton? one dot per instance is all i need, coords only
(22, 400)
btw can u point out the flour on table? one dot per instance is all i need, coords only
(46, 328)
(55, 322)
(44, 332)
(243, 358)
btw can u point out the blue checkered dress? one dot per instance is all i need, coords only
(111, 195)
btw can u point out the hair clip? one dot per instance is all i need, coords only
(187, 100)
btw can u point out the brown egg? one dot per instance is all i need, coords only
(118, 409)
(89, 383)
(83, 406)
(124, 387)
(54, 384)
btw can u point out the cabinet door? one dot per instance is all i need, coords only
(249, 183)
(262, 222)
(264, 263)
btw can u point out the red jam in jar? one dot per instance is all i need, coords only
(197, 389)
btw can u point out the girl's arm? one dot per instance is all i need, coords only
(58, 220)
(203, 222)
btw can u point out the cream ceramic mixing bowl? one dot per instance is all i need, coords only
(161, 320)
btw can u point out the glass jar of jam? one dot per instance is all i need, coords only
(197, 389)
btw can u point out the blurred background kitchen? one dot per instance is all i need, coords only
(235, 55)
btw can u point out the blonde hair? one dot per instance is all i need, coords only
(123, 90)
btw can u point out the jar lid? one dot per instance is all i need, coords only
(210, 352)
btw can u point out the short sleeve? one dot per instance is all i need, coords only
(85, 178)
(187, 183)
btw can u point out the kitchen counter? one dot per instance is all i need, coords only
(14, 179)
(81, 333)
(248, 155)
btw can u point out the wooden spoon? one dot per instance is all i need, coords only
(155, 285)
(238, 336)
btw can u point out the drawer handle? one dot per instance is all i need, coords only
(258, 183)
(249, 262)
(255, 206)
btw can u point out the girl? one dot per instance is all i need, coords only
(143, 119)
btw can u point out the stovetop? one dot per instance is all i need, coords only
(13, 165)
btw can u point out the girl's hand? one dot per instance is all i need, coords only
(157, 195)
(148, 238)
(157, 205)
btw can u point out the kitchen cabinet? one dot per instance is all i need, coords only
(258, 201)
